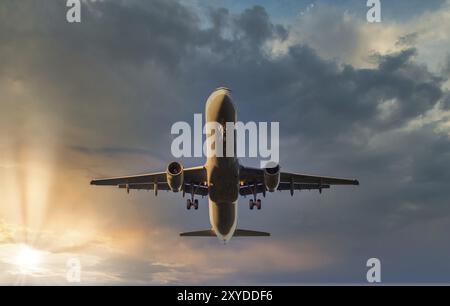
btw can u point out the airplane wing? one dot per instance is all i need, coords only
(260, 188)
(193, 179)
(289, 181)
(198, 189)
(312, 179)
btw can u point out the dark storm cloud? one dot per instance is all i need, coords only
(446, 68)
(132, 68)
(408, 39)
(255, 25)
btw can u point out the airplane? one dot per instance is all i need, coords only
(223, 180)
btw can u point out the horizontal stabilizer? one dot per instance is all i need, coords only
(237, 233)
(205, 233)
(247, 233)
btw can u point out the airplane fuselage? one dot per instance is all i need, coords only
(222, 172)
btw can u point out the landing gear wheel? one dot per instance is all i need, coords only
(188, 204)
(196, 204)
(251, 204)
(258, 204)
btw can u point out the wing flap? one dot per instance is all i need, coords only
(146, 186)
(198, 189)
(260, 188)
(313, 179)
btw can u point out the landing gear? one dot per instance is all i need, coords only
(255, 203)
(196, 204)
(190, 204)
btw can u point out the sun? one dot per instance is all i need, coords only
(27, 259)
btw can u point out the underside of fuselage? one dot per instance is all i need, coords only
(222, 172)
(223, 218)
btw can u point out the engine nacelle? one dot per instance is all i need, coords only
(272, 178)
(175, 176)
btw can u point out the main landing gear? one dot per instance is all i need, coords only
(191, 202)
(255, 203)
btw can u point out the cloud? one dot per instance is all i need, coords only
(409, 39)
(341, 32)
(5, 233)
(446, 68)
(340, 35)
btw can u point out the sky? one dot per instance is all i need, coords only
(98, 98)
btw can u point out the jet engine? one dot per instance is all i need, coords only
(175, 176)
(272, 178)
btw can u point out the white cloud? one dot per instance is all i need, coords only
(335, 34)
(437, 117)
